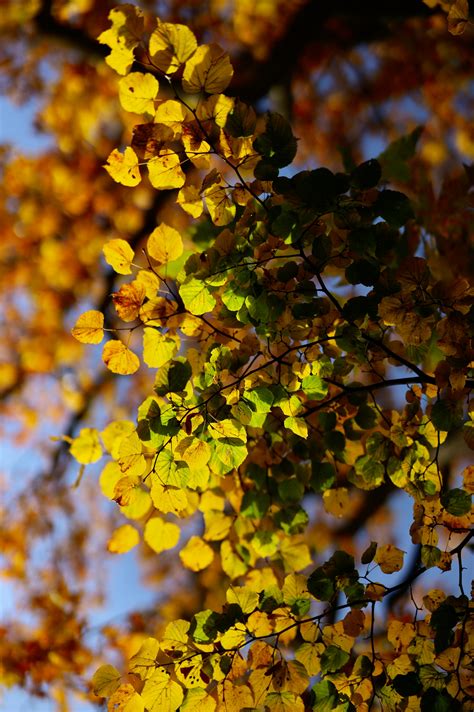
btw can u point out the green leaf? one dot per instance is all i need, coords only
(333, 659)
(430, 555)
(204, 626)
(457, 502)
(314, 387)
(260, 399)
(196, 297)
(326, 696)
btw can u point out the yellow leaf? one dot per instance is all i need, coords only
(128, 300)
(126, 699)
(309, 654)
(336, 501)
(123, 167)
(165, 171)
(156, 311)
(196, 297)
(220, 205)
(120, 359)
(400, 666)
(130, 455)
(171, 45)
(175, 637)
(161, 535)
(389, 558)
(109, 477)
(198, 700)
(86, 447)
(168, 499)
(105, 681)
(232, 564)
(196, 555)
(217, 525)
(114, 433)
(234, 697)
(143, 663)
(295, 555)
(137, 92)
(423, 649)
(150, 281)
(123, 36)
(283, 702)
(196, 453)
(165, 244)
(139, 506)
(119, 255)
(189, 198)
(227, 428)
(157, 348)
(123, 539)
(89, 328)
(161, 694)
(172, 115)
(125, 489)
(297, 426)
(234, 637)
(209, 70)
(243, 597)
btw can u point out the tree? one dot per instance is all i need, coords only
(296, 342)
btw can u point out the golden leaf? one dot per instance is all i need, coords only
(389, 558)
(128, 300)
(86, 447)
(165, 171)
(105, 681)
(123, 539)
(196, 555)
(89, 328)
(161, 535)
(119, 358)
(137, 92)
(209, 70)
(123, 167)
(165, 244)
(171, 45)
(119, 255)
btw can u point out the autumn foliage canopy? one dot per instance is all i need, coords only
(257, 370)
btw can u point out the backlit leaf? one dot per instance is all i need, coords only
(209, 70)
(86, 448)
(196, 297)
(119, 255)
(389, 558)
(165, 244)
(171, 45)
(137, 92)
(161, 535)
(196, 555)
(88, 329)
(165, 171)
(123, 167)
(105, 681)
(123, 539)
(119, 358)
